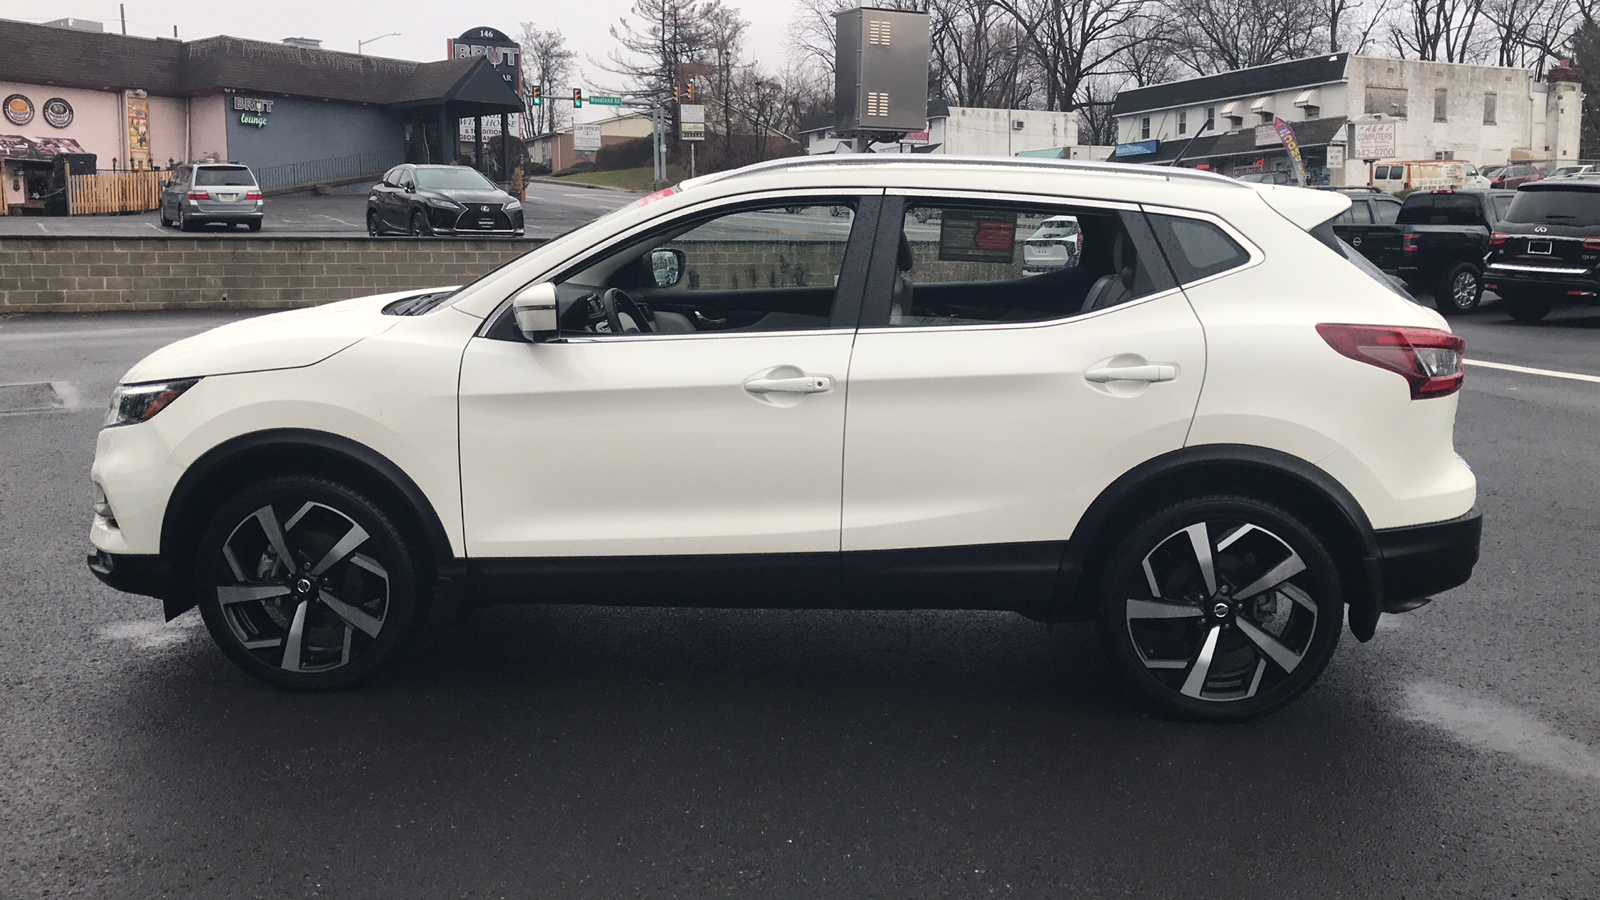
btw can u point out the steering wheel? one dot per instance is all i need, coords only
(617, 298)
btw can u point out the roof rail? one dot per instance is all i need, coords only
(928, 159)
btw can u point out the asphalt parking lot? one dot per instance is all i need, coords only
(551, 210)
(575, 752)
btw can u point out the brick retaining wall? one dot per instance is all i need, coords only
(86, 274)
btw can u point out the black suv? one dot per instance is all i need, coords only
(1547, 247)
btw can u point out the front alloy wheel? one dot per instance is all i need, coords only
(1221, 608)
(306, 584)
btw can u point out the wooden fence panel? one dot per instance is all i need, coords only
(113, 192)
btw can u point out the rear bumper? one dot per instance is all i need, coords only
(1523, 281)
(1421, 560)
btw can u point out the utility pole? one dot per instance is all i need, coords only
(122, 8)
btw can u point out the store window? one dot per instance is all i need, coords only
(1386, 101)
(1183, 121)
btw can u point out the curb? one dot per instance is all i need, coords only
(593, 187)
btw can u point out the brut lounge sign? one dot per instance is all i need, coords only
(504, 53)
(251, 110)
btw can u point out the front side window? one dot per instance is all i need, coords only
(977, 264)
(773, 268)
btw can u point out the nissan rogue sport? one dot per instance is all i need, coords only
(1217, 432)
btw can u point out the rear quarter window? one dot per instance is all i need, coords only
(1196, 248)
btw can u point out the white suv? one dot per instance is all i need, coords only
(827, 383)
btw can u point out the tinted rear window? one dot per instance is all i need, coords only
(225, 176)
(1441, 209)
(1196, 249)
(1565, 207)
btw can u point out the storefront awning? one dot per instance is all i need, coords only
(15, 146)
(1315, 133)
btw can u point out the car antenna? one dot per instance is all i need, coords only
(1201, 130)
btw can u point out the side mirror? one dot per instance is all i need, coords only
(535, 308)
(667, 266)
(165, 183)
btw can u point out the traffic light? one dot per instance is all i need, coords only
(690, 89)
(675, 98)
(538, 95)
(577, 97)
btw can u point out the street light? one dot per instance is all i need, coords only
(360, 44)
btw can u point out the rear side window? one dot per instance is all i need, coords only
(1195, 248)
(1416, 210)
(1384, 212)
(224, 176)
(1547, 207)
(1361, 212)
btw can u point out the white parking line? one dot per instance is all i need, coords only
(1548, 373)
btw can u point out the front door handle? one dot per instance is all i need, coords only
(1148, 373)
(803, 384)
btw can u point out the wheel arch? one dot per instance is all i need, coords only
(290, 451)
(1270, 475)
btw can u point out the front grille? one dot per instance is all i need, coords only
(474, 218)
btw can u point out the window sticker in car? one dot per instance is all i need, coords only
(662, 194)
(977, 236)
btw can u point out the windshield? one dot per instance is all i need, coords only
(461, 179)
(1569, 206)
(224, 176)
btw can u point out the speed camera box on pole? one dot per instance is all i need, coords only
(881, 73)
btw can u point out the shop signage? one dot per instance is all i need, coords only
(251, 110)
(504, 53)
(19, 109)
(916, 137)
(137, 104)
(972, 236)
(57, 112)
(1137, 148)
(1375, 140)
(1335, 156)
(1266, 136)
(586, 138)
(692, 122)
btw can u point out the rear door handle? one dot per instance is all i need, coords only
(804, 384)
(1149, 373)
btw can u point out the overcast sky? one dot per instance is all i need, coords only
(423, 26)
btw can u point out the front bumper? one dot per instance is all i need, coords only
(146, 575)
(1419, 561)
(476, 220)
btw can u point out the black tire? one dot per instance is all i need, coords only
(165, 222)
(1528, 310)
(253, 226)
(1459, 290)
(355, 591)
(419, 224)
(372, 223)
(1263, 652)
(183, 222)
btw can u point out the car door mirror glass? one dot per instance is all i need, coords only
(667, 266)
(535, 309)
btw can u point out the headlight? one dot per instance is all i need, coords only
(443, 203)
(513, 206)
(132, 403)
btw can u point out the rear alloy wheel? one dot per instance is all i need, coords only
(307, 584)
(1459, 290)
(183, 222)
(1221, 608)
(1528, 310)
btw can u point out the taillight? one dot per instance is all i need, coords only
(199, 195)
(1591, 243)
(1427, 358)
(1498, 238)
(1408, 243)
(252, 195)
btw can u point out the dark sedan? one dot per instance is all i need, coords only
(442, 200)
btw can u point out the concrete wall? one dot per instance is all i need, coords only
(970, 131)
(80, 274)
(302, 130)
(208, 128)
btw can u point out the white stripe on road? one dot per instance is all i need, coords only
(1548, 373)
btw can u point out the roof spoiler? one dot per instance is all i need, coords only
(1305, 208)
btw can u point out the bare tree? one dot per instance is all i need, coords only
(977, 55)
(1071, 40)
(1529, 33)
(724, 46)
(1221, 35)
(546, 62)
(1439, 30)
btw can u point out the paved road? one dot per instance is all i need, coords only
(551, 210)
(573, 753)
